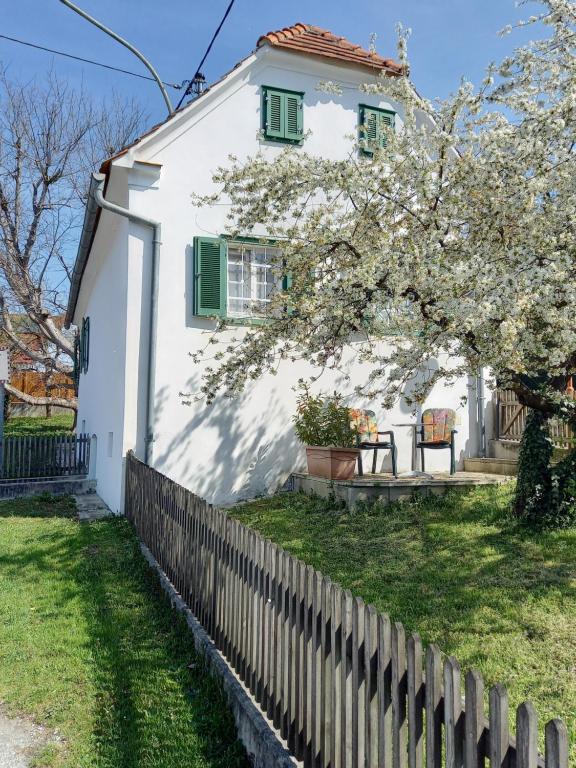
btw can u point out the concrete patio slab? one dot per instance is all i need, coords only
(386, 488)
(91, 507)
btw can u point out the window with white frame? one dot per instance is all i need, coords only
(251, 278)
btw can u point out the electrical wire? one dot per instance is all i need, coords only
(199, 67)
(86, 61)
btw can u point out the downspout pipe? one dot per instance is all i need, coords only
(480, 401)
(99, 180)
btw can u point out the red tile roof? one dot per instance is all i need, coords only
(314, 41)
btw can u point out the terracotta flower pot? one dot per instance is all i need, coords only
(333, 463)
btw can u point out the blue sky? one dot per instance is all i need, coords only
(450, 38)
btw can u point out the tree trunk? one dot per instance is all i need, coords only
(532, 485)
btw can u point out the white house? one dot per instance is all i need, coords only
(152, 268)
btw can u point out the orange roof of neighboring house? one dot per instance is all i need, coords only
(314, 41)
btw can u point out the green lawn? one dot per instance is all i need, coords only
(38, 426)
(90, 647)
(456, 570)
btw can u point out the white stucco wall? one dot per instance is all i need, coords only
(102, 388)
(233, 449)
(245, 447)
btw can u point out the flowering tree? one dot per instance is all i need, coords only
(461, 232)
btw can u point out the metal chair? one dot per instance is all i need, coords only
(437, 431)
(368, 438)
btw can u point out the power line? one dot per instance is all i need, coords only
(86, 61)
(199, 67)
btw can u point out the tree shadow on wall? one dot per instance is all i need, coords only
(250, 458)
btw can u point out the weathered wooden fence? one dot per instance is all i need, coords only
(346, 687)
(37, 384)
(44, 457)
(511, 420)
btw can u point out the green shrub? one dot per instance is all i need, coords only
(323, 420)
(545, 495)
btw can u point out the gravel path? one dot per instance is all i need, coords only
(19, 741)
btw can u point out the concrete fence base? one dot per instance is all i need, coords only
(58, 486)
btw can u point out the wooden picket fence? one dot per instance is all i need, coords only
(345, 686)
(511, 420)
(44, 457)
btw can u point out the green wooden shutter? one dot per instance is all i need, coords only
(370, 125)
(385, 122)
(293, 116)
(210, 276)
(77, 358)
(275, 110)
(86, 344)
(286, 277)
(83, 346)
(374, 125)
(286, 287)
(283, 114)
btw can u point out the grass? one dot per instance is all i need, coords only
(90, 647)
(38, 426)
(459, 572)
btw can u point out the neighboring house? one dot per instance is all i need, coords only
(143, 323)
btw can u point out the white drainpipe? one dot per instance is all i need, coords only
(480, 401)
(99, 180)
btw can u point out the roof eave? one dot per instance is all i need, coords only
(174, 117)
(91, 217)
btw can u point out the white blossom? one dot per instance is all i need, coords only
(462, 237)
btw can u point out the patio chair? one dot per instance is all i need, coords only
(437, 432)
(368, 438)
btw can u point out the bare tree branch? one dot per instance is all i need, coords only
(51, 138)
(62, 402)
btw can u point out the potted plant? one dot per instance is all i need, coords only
(322, 423)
